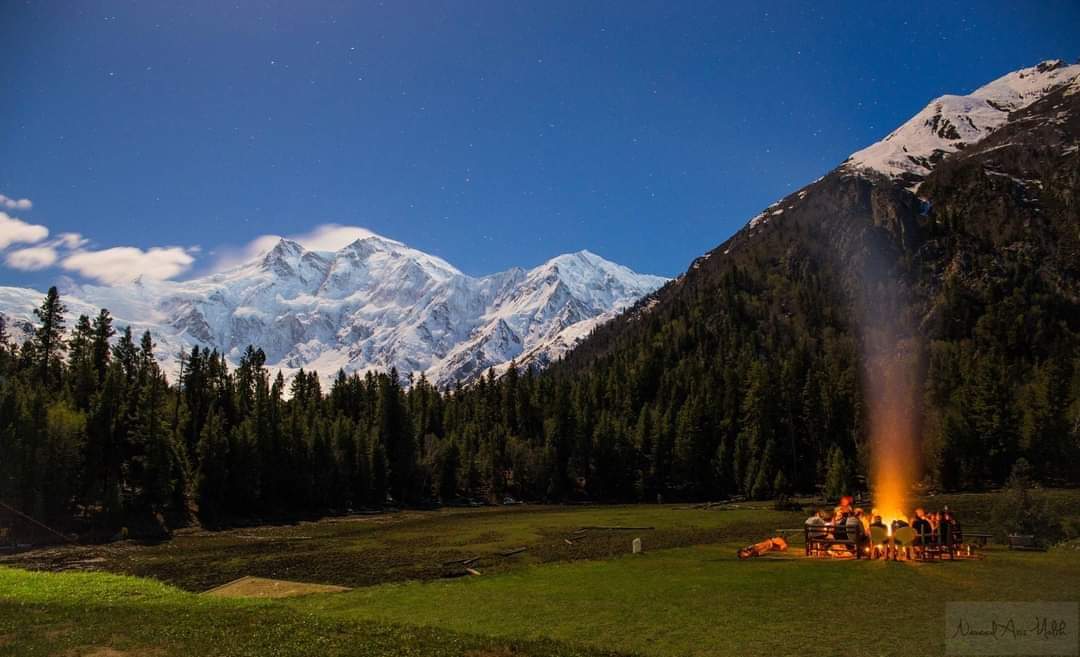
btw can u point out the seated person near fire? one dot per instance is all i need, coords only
(922, 526)
(817, 520)
(847, 523)
(843, 510)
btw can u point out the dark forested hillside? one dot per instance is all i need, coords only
(746, 375)
(974, 278)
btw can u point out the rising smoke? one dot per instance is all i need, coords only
(891, 352)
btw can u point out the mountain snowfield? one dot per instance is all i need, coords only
(947, 125)
(372, 305)
(950, 123)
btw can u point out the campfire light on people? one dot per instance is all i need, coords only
(851, 532)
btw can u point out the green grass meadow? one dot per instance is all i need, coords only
(703, 601)
(686, 595)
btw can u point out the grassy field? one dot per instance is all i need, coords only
(687, 595)
(103, 615)
(411, 545)
(702, 601)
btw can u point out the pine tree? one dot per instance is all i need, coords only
(838, 478)
(126, 354)
(990, 413)
(106, 434)
(449, 463)
(766, 473)
(82, 379)
(159, 462)
(1044, 429)
(213, 486)
(379, 478)
(394, 433)
(5, 345)
(60, 459)
(102, 332)
(757, 431)
(49, 337)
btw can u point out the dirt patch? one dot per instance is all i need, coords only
(492, 652)
(261, 587)
(106, 651)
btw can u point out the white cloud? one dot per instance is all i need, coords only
(15, 231)
(32, 258)
(331, 237)
(257, 247)
(71, 241)
(112, 266)
(324, 237)
(15, 204)
(123, 264)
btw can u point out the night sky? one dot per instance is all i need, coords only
(491, 134)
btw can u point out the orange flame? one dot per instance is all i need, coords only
(891, 396)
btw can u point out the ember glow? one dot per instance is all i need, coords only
(890, 380)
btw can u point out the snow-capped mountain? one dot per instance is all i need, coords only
(950, 123)
(985, 251)
(946, 126)
(372, 305)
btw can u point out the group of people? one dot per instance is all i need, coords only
(846, 522)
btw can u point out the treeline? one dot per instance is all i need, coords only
(748, 401)
(91, 432)
(752, 382)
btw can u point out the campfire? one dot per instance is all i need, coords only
(889, 529)
(850, 532)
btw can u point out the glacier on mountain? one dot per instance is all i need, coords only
(372, 305)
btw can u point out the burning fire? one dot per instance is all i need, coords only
(891, 395)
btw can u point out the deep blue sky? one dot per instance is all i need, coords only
(492, 134)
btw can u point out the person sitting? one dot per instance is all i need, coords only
(826, 518)
(842, 510)
(845, 525)
(949, 532)
(864, 520)
(855, 533)
(957, 535)
(816, 529)
(924, 531)
(847, 504)
(878, 523)
(945, 534)
(899, 523)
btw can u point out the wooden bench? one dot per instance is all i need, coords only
(1023, 542)
(821, 538)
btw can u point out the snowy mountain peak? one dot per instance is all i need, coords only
(285, 254)
(373, 304)
(950, 123)
(1019, 89)
(588, 275)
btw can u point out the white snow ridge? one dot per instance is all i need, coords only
(950, 123)
(372, 305)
